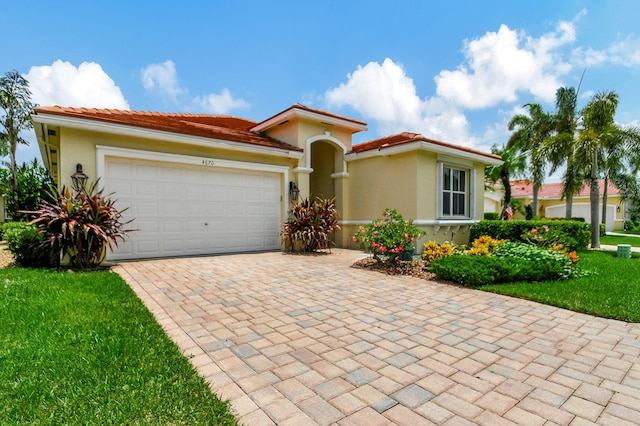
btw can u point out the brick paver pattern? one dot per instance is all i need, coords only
(306, 340)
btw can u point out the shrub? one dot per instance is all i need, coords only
(80, 226)
(432, 251)
(475, 271)
(563, 268)
(491, 215)
(576, 235)
(23, 241)
(310, 225)
(389, 237)
(484, 245)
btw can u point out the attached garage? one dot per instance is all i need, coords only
(192, 206)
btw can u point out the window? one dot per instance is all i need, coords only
(455, 186)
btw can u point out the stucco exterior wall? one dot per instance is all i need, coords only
(79, 146)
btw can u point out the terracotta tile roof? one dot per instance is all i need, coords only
(316, 111)
(407, 137)
(223, 127)
(524, 188)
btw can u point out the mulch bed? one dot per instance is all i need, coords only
(414, 268)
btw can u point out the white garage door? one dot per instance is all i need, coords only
(183, 209)
(582, 210)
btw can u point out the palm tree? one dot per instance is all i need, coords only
(601, 139)
(15, 101)
(531, 132)
(513, 164)
(561, 146)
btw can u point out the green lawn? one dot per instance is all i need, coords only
(611, 293)
(614, 240)
(81, 348)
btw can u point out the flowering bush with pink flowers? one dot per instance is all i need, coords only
(389, 237)
(543, 236)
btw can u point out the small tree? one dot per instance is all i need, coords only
(15, 102)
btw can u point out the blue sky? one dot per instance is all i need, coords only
(455, 71)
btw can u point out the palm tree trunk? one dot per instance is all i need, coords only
(569, 207)
(594, 199)
(605, 193)
(505, 177)
(534, 203)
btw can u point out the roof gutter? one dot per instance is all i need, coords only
(425, 146)
(132, 131)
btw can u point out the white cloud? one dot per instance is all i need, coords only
(501, 64)
(625, 51)
(385, 94)
(63, 84)
(219, 104)
(162, 79)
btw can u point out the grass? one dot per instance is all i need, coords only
(81, 348)
(614, 240)
(610, 293)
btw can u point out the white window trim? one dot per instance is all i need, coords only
(470, 208)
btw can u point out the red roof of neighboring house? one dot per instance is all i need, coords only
(223, 127)
(408, 137)
(524, 188)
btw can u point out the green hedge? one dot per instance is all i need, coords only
(474, 271)
(24, 242)
(578, 233)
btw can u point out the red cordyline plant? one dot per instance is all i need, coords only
(310, 225)
(81, 226)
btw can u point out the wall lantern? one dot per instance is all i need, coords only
(293, 191)
(79, 179)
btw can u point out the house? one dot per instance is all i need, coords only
(552, 204)
(203, 184)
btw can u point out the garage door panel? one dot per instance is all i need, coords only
(172, 202)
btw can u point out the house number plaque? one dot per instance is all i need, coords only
(208, 162)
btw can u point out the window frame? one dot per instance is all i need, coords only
(469, 191)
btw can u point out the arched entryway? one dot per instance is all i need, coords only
(323, 163)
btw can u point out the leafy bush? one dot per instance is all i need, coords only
(484, 245)
(80, 226)
(310, 225)
(491, 215)
(389, 237)
(535, 255)
(24, 242)
(575, 234)
(432, 251)
(475, 271)
(33, 180)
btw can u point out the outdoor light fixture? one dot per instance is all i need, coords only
(79, 178)
(293, 191)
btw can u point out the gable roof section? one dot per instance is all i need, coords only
(221, 127)
(524, 188)
(408, 141)
(302, 111)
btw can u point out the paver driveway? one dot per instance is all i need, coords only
(295, 340)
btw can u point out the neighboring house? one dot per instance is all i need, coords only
(551, 203)
(203, 184)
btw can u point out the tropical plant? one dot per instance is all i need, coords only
(33, 181)
(432, 250)
(389, 237)
(600, 138)
(15, 101)
(311, 225)
(484, 245)
(513, 164)
(530, 133)
(80, 226)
